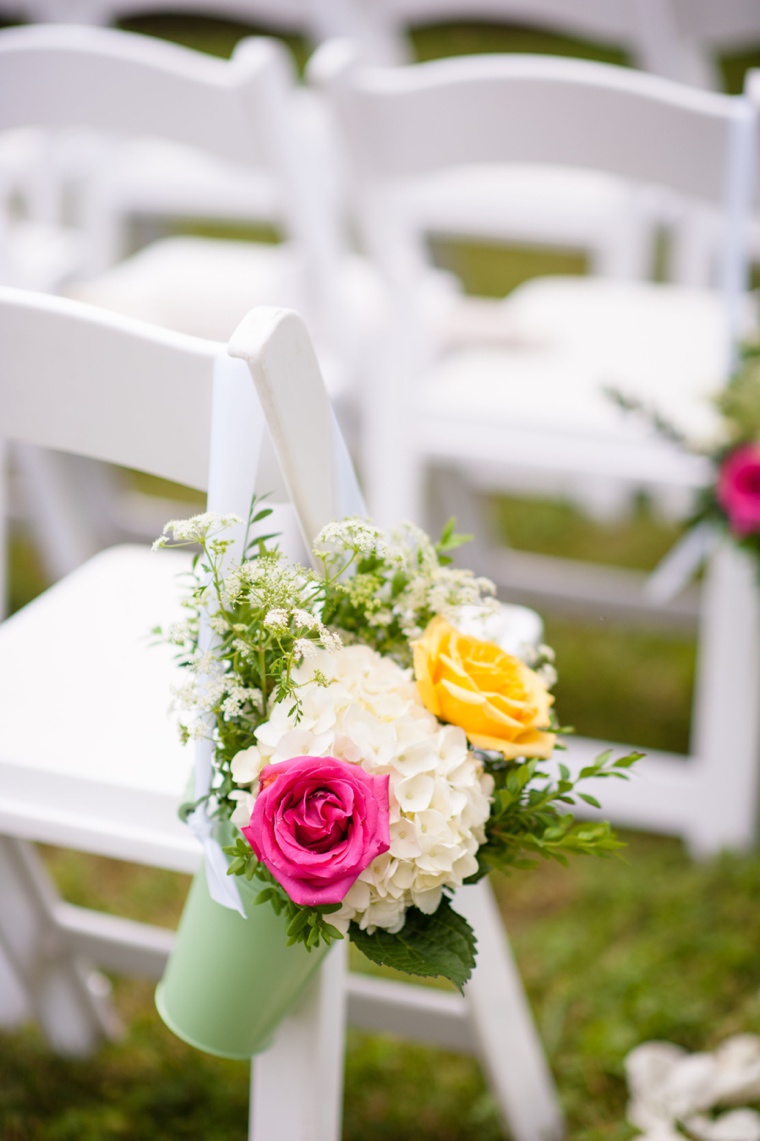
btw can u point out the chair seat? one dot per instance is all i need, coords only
(564, 341)
(543, 205)
(152, 177)
(199, 286)
(89, 774)
(41, 256)
(204, 287)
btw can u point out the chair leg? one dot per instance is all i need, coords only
(297, 1084)
(726, 735)
(53, 485)
(55, 986)
(510, 1049)
(14, 1008)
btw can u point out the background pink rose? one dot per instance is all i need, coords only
(738, 489)
(318, 822)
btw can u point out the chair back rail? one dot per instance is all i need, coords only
(505, 109)
(84, 380)
(145, 87)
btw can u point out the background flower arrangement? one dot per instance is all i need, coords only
(731, 501)
(374, 757)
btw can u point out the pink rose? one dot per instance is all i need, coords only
(318, 822)
(738, 489)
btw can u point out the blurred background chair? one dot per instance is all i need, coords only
(600, 215)
(93, 779)
(526, 408)
(118, 86)
(115, 183)
(709, 27)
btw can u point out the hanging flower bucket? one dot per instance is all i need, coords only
(230, 980)
(359, 759)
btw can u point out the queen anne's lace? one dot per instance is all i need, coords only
(371, 715)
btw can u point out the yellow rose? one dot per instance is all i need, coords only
(499, 702)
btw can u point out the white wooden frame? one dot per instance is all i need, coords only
(47, 947)
(388, 118)
(238, 113)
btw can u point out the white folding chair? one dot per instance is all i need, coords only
(103, 771)
(166, 181)
(529, 410)
(712, 27)
(590, 212)
(637, 26)
(312, 17)
(239, 113)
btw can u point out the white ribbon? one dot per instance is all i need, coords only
(222, 888)
(346, 491)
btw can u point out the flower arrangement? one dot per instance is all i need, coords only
(731, 500)
(369, 753)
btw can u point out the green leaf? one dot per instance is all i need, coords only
(450, 540)
(298, 923)
(437, 945)
(627, 761)
(589, 799)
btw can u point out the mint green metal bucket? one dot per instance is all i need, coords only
(229, 981)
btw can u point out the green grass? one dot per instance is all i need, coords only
(616, 682)
(476, 37)
(210, 34)
(612, 953)
(27, 578)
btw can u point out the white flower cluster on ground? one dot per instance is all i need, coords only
(674, 1093)
(371, 715)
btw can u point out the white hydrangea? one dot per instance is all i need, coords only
(371, 715)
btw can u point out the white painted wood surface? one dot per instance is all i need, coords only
(277, 348)
(523, 405)
(103, 780)
(102, 92)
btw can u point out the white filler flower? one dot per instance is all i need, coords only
(371, 715)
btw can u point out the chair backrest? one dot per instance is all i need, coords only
(313, 18)
(117, 83)
(144, 86)
(648, 30)
(617, 22)
(402, 124)
(719, 25)
(101, 385)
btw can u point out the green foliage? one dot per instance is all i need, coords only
(450, 540)
(530, 814)
(739, 406)
(306, 925)
(649, 413)
(740, 400)
(383, 590)
(612, 953)
(439, 945)
(266, 614)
